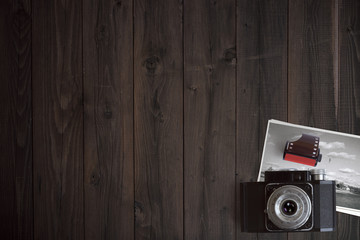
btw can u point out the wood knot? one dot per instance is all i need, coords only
(230, 56)
(107, 112)
(160, 117)
(139, 212)
(193, 89)
(118, 3)
(210, 69)
(152, 64)
(95, 178)
(102, 35)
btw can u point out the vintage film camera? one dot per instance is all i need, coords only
(289, 200)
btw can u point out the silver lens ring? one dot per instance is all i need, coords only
(276, 202)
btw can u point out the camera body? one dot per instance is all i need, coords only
(289, 201)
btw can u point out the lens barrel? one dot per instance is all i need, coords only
(289, 207)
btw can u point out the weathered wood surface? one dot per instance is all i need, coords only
(209, 119)
(311, 83)
(247, 101)
(348, 110)
(57, 119)
(108, 119)
(261, 84)
(158, 119)
(16, 196)
(312, 80)
(134, 119)
(272, 72)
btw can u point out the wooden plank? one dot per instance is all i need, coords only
(312, 79)
(58, 119)
(209, 113)
(261, 84)
(247, 100)
(349, 60)
(108, 116)
(311, 63)
(158, 119)
(348, 227)
(272, 65)
(16, 198)
(349, 90)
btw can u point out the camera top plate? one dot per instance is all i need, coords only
(287, 176)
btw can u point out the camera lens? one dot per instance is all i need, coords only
(289, 207)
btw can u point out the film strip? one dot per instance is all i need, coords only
(305, 150)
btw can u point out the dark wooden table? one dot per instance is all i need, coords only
(138, 119)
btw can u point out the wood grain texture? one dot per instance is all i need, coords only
(272, 63)
(248, 84)
(261, 83)
(312, 81)
(58, 119)
(349, 59)
(272, 67)
(138, 119)
(349, 92)
(311, 64)
(247, 100)
(108, 117)
(348, 227)
(16, 198)
(158, 119)
(209, 113)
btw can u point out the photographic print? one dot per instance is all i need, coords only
(340, 157)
